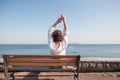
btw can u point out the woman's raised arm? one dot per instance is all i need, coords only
(64, 22)
(58, 21)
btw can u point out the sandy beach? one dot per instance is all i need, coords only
(82, 76)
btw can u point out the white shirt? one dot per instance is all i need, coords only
(61, 50)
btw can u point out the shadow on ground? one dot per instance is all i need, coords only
(32, 76)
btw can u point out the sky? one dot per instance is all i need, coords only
(89, 21)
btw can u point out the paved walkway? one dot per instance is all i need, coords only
(83, 76)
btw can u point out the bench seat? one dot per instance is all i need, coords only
(38, 69)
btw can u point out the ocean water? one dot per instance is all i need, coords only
(85, 50)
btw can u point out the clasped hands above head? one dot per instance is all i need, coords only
(61, 18)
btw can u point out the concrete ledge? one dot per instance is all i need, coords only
(100, 65)
(93, 65)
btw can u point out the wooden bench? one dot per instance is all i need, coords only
(28, 63)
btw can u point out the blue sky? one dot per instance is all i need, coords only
(89, 21)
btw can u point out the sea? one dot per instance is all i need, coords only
(85, 50)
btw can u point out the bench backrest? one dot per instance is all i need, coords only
(41, 60)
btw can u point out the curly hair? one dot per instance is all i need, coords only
(57, 36)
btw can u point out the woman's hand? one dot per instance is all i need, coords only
(59, 20)
(63, 17)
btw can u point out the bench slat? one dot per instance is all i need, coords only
(39, 69)
(41, 56)
(42, 64)
(39, 61)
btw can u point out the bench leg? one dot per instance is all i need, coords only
(76, 76)
(6, 77)
(12, 75)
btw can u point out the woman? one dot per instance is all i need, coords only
(57, 40)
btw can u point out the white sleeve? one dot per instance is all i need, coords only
(66, 34)
(50, 39)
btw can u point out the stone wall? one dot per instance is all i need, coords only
(100, 65)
